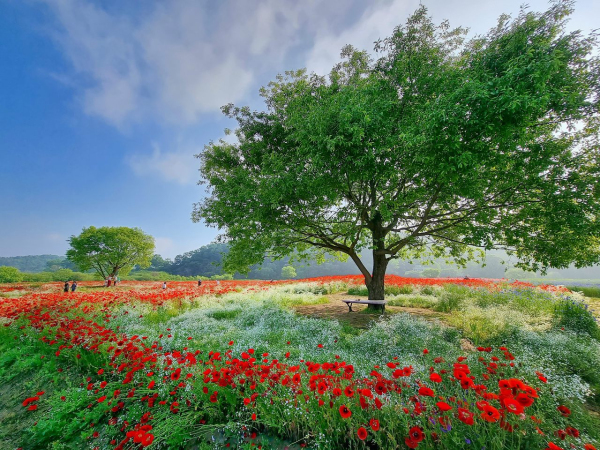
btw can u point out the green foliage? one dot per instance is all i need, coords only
(588, 291)
(413, 274)
(518, 274)
(574, 315)
(288, 272)
(431, 273)
(147, 275)
(60, 275)
(452, 297)
(205, 261)
(389, 290)
(10, 275)
(31, 263)
(111, 250)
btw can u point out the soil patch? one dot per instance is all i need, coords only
(359, 318)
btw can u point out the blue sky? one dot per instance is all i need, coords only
(103, 104)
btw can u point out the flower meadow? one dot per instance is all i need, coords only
(231, 365)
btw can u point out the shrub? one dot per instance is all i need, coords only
(574, 315)
(358, 290)
(452, 297)
(431, 273)
(414, 301)
(399, 290)
(389, 290)
(588, 291)
(413, 274)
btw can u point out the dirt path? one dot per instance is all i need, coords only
(338, 310)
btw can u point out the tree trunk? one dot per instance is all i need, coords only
(376, 286)
(376, 283)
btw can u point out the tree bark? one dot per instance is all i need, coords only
(376, 285)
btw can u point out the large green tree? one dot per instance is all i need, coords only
(439, 145)
(111, 250)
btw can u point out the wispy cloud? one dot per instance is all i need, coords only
(175, 61)
(164, 246)
(178, 165)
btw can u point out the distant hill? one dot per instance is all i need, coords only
(32, 263)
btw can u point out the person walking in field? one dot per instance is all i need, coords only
(164, 286)
(199, 283)
(66, 286)
(109, 280)
(74, 286)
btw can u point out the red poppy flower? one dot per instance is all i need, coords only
(504, 384)
(490, 414)
(213, 397)
(348, 392)
(572, 432)
(416, 434)
(443, 406)
(345, 412)
(589, 447)
(552, 446)
(435, 377)
(410, 443)
(362, 433)
(175, 375)
(465, 416)
(147, 440)
(424, 390)
(566, 412)
(524, 399)
(512, 405)
(380, 388)
(374, 423)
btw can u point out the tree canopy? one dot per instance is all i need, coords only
(111, 250)
(10, 274)
(439, 145)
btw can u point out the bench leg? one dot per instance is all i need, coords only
(349, 307)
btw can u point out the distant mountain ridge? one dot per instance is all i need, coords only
(31, 263)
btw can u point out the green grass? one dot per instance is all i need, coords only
(588, 291)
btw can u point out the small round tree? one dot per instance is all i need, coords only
(111, 250)
(288, 272)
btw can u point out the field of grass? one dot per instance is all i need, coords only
(232, 365)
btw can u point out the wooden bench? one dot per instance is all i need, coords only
(365, 302)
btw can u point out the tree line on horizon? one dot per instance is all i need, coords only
(206, 262)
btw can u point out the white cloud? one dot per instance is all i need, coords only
(375, 23)
(177, 166)
(380, 19)
(56, 237)
(175, 61)
(178, 60)
(163, 246)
